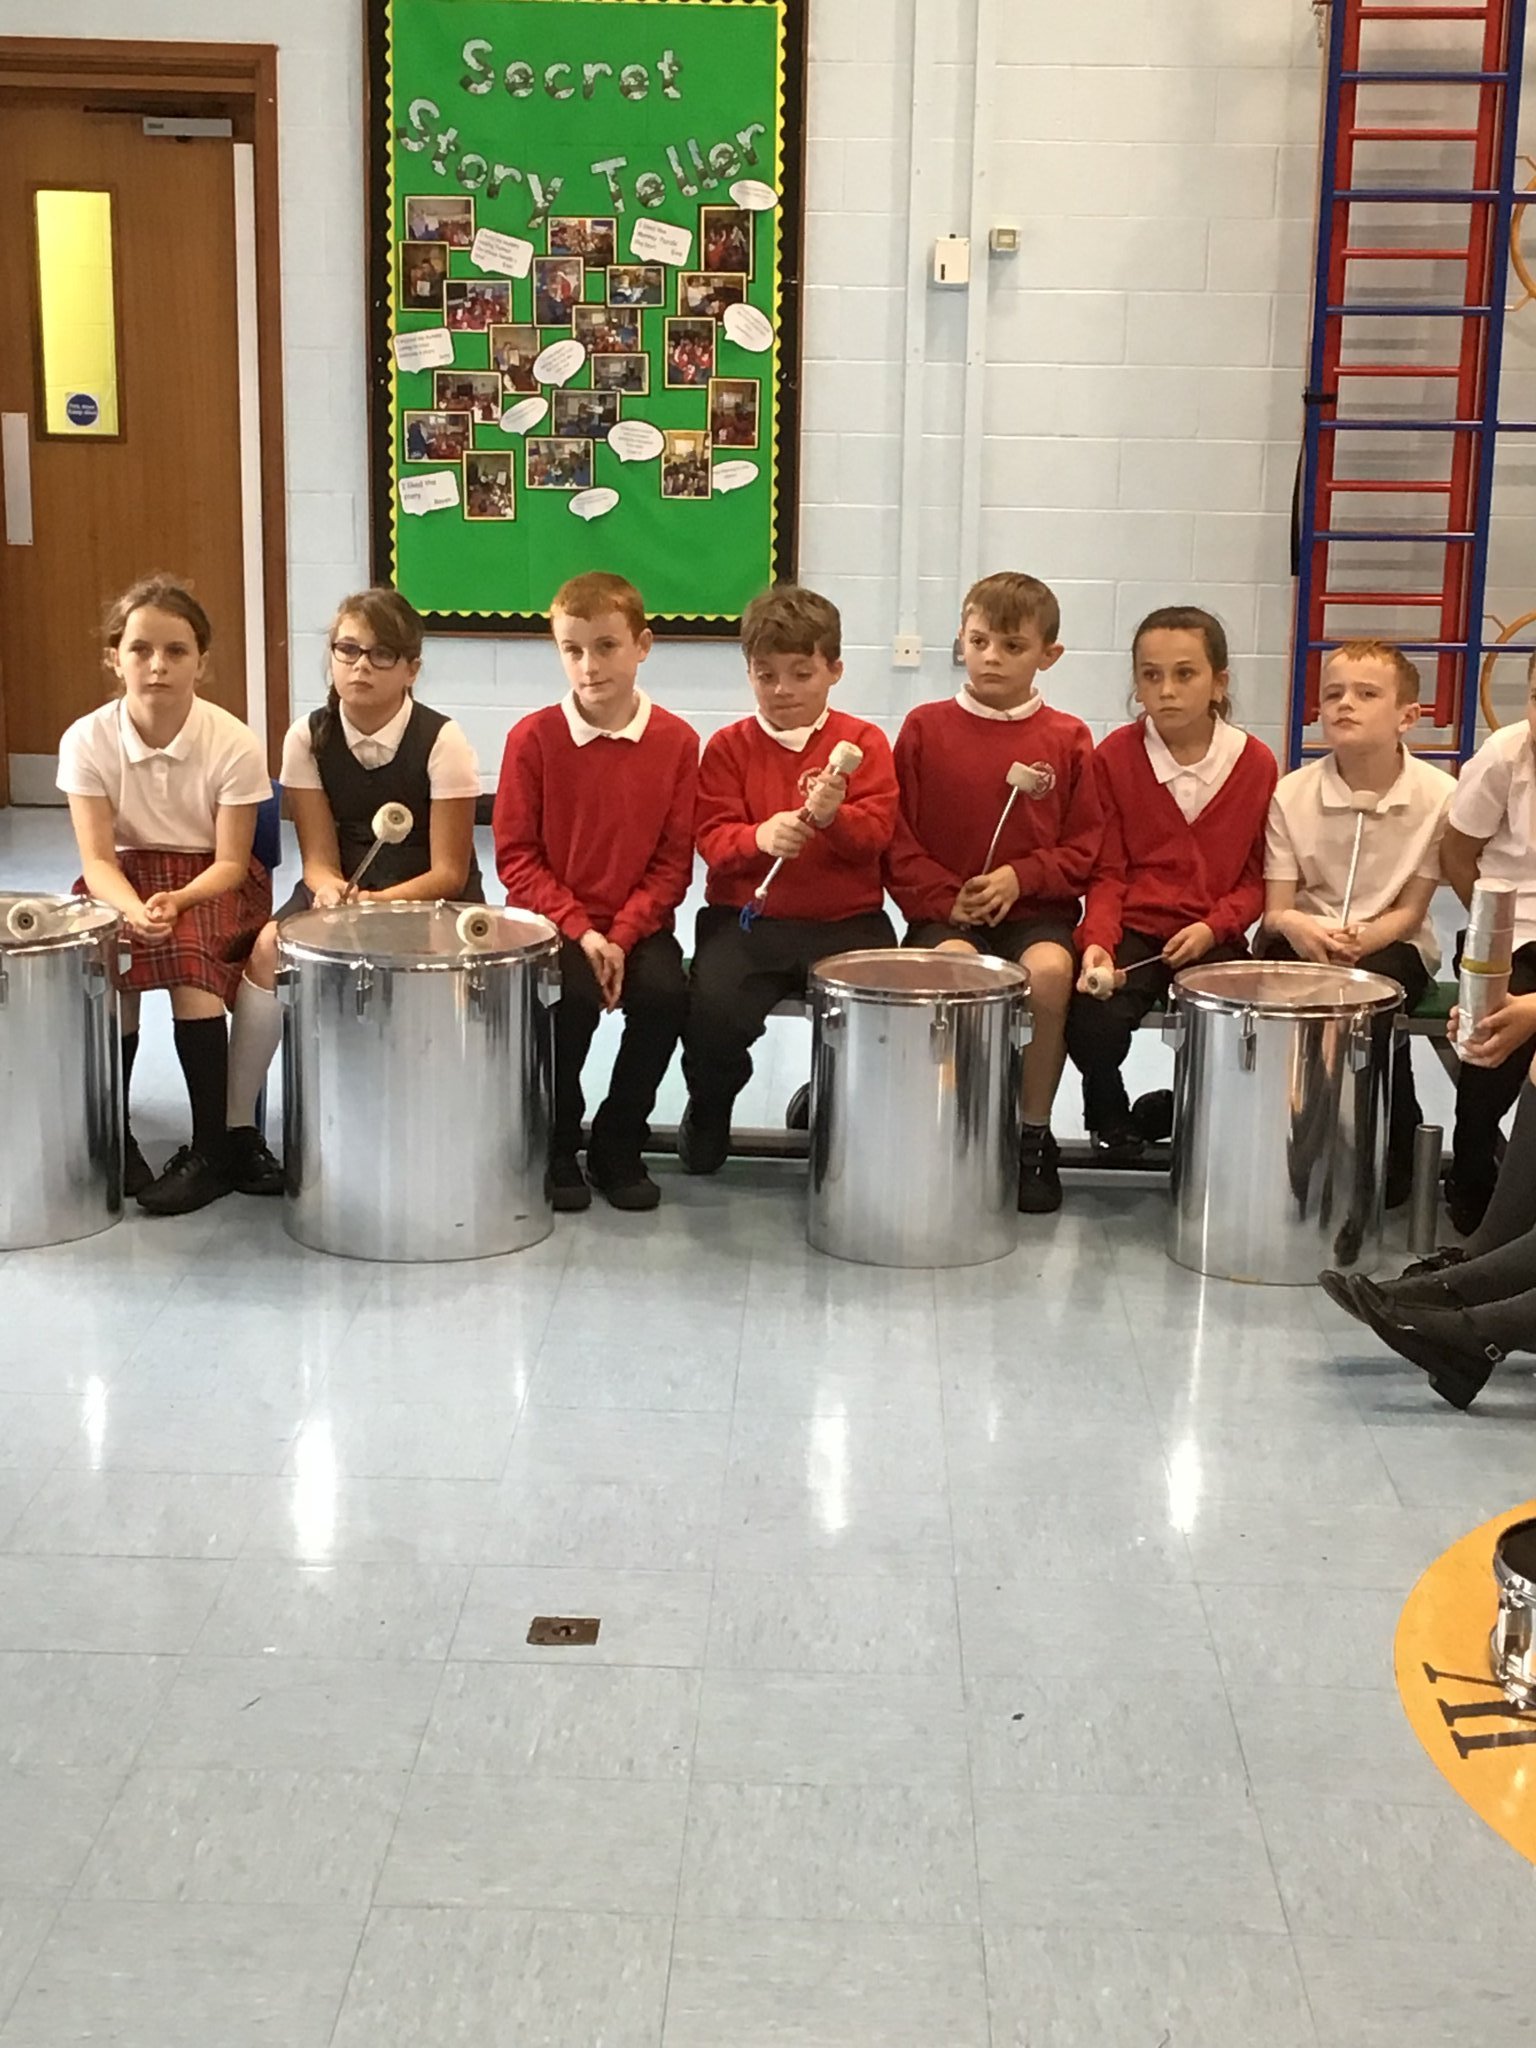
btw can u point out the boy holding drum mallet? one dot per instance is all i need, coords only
(1491, 837)
(999, 830)
(594, 830)
(774, 802)
(1352, 853)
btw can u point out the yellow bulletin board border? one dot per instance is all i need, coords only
(777, 447)
(1480, 1741)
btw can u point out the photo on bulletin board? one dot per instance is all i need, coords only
(585, 249)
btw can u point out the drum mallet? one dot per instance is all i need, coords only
(1020, 778)
(391, 827)
(843, 760)
(1099, 982)
(476, 927)
(1363, 803)
(26, 920)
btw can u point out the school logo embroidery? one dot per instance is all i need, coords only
(1475, 1736)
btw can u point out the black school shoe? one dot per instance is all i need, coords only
(137, 1171)
(1152, 1116)
(191, 1180)
(623, 1183)
(1438, 1261)
(566, 1185)
(1119, 1145)
(253, 1168)
(1441, 1342)
(704, 1138)
(1039, 1179)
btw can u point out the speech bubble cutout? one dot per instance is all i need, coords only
(523, 417)
(593, 504)
(507, 255)
(754, 195)
(635, 440)
(735, 476)
(658, 241)
(428, 348)
(749, 328)
(559, 363)
(436, 492)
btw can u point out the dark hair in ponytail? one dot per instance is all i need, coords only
(394, 622)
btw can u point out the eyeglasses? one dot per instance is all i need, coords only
(349, 654)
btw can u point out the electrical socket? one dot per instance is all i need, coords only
(907, 651)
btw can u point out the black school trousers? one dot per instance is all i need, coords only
(1099, 1033)
(1402, 963)
(738, 976)
(654, 1001)
(1485, 1095)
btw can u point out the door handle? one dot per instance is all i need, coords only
(16, 465)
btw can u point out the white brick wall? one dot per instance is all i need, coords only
(1145, 347)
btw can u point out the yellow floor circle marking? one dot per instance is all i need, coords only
(1481, 1743)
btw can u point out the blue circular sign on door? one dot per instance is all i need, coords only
(82, 409)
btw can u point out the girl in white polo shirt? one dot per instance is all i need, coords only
(163, 790)
(1491, 836)
(370, 744)
(1369, 699)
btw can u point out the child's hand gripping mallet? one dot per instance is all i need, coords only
(391, 827)
(1101, 982)
(843, 760)
(1363, 803)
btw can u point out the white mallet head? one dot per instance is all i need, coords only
(28, 920)
(1099, 982)
(844, 758)
(1027, 780)
(1365, 801)
(392, 823)
(476, 926)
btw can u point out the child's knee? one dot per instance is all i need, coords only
(262, 965)
(1051, 972)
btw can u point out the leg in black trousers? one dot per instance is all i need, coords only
(654, 1000)
(576, 1019)
(1484, 1097)
(736, 979)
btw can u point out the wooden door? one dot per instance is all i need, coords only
(165, 493)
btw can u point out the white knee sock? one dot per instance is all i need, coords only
(256, 1034)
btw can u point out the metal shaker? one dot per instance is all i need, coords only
(1485, 954)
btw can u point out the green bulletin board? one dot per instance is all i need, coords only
(616, 183)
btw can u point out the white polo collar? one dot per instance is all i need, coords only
(583, 732)
(388, 736)
(1335, 794)
(796, 739)
(136, 748)
(1227, 742)
(1019, 712)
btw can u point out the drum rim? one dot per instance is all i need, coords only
(104, 926)
(1011, 980)
(1392, 997)
(1505, 1574)
(421, 963)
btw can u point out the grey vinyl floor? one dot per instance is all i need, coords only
(999, 1656)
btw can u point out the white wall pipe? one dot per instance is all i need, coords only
(975, 390)
(909, 512)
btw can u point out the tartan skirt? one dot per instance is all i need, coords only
(210, 943)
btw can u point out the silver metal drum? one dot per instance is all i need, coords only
(416, 1080)
(61, 1100)
(1281, 1093)
(915, 1073)
(1512, 1646)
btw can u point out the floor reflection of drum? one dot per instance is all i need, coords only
(1281, 1093)
(1513, 1645)
(416, 1080)
(915, 1076)
(61, 1109)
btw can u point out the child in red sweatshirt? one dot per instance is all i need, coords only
(594, 830)
(1180, 876)
(952, 761)
(755, 779)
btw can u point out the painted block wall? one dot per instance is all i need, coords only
(1144, 348)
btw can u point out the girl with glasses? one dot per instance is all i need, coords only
(371, 743)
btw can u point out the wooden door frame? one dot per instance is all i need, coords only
(237, 81)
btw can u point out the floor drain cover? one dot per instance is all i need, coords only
(570, 1630)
